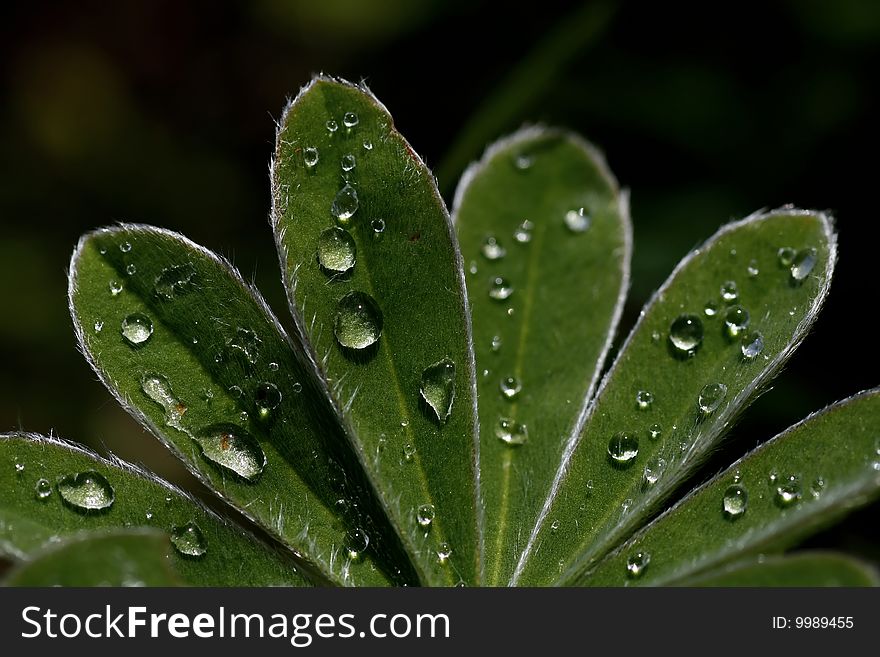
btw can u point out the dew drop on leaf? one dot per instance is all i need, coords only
(43, 489)
(356, 543)
(492, 249)
(86, 491)
(137, 328)
(350, 119)
(654, 470)
(752, 345)
(348, 162)
(636, 564)
(332, 126)
(311, 157)
(577, 221)
(444, 552)
(175, 281)
(344, 205)
(510, 432)
(115, 288)
(438, 388)
(788, 490)
(753, 269)
(131, 269)
(686, 334)
(510, 387)
(785, 255)
(358, 322)
(233, 449)
(368, 145)
(729, 291)
(268, 397)
(644, 399)
(734, 502)
(711, 397)
(157, 388)
(523, 232)
(125, 247)
(378, 226)
(425, 515)
(336, 252)
(501, 289)
(188, 540)
(409, 452)
(710, 309)
(99, 326)
(655, 431)
(802, 264)
(623, 449)
(736, 320)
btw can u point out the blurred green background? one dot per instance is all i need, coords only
(163, 112)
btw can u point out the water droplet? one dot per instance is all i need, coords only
(686, 334)
(175, 281)
(654, 470)
(655, 431)
(332, 126)
(273, 367)
(344, 205)
(711, 308)
(43, 489)
(404, 423)
(87, 491)
(438, 388)
(772, 477)
(753, 269)
(125, 247)
(311, 156)
(788, 490)
(268, 398)
(157, 388)
(232, 448)
(356, 543)
(348, 162)
(510, 387)
(236, 391)
(425, 515)
(337, 252)
(350, 119)
(786, 256)
(644, 399)
(523, 233)
(577, 221)
(636, 564)
(817, 487)
(501, 289)
(243, 417)
(803, 264)
(137, 329)
(492, 249)
(711, 397)
(409, 451)
(378, 226)
(736, 320)
(752, 345)
(496, 343)
(244, 346)
(729, 292)
(358, 322)
(472, 268)
(523, 162)
(297, 387)
(623, 449)
(99, 325)
(554, 526)
(188, 540)
(368, 145)
(655, 337)
(511, 432)
(131, 269)
(734, 502)
(444, 552)
(115, 288)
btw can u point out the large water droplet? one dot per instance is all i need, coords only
(188, 540)
(232, 448)
(734, 502)
(523, 232)
(788, 490)
(137, 329)
(43, 489)
(623, 449)
(501, 289)
(686, 334)
(268, 398)
(786, 256)
(438, 388)
(711, 397)
(511, 432)
(752, 345)
(736, 320)
(510, 387)
(311, 156)
(644, 399)
(86, 491)
(345, 205)
(175, 281)
(577, 221)
(492, 249)
(337, 252)
(350, 119)
(636, 564)
(358, 322)
(157, 388)
(729, 291)
(803, 263)
(356, 543)
(425, 515)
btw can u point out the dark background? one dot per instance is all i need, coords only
(163, 112)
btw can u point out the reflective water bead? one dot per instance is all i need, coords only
(233, 449)
(686, 334)
(753, 269)
(444, 552)
(311, 157)
(636, 564)
(115, 288)
(378, 226)
(802, 264)
(711, 308)
(736, 320)
(87, 491)
(734, 502)
(501, 289)
(337, 252)
(332, 126)
(622, 449)
(425, 515)
(438, 388)
(644, 399)
(348, 162)
(137, 328)
(496, 343)
(268, 398)
(752, 345)
(788, 490)
(492, 249)
(357, 542)
(131, 269)
(175, 281)
(43, 489)
(409, 451)
(368, 145)
(511, 432)
(523, 233)
(577, 221)
(785, 255)
(655, 431)
(344, 205)
(157, 388)
(729, 292)
(711, 397)
(99, 326)
(125, 247)
(654, 470)
(350, 119)
(358, 322)
(510, 387)
(188, 540)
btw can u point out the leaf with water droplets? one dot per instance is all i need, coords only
(824, 467)
(399, 310)
(564, 279)
(51, 491)
(700, 378)
(118, 557)
(803, 569)
(264, 437)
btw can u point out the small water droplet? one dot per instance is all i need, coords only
(510, 387)
(115, 288)
(655, 431)
(736, 320)
(817, 487)
(273, 367)
(297, 387)
(243, 417)
(655, 337)
(425, 515)
(378, 226)
(501, 289)
(137, 329)
(644, 399)
(268, 398)
(654, 470)
(686, 334)
(350, 119)
(188, 540)
(523, 232)
(577, 221)
(711, 397)
(554, 526)
(523, 162)
(734, 502)
(711, 308)
(636, 564)
(233, 449)
(785, 255)
(472, 268)
(623, 449)
(356, 543)
(87, 491)
(444, 552)
(409, 451)
(772, 477)
(157, 388)
(492, 249)
(336, 251)
(729, 291)
(175, 281)
(496, 343)
(404, 423)
(802, 264)
(131, 269)
(752, 345)
(236, 391)
(753, 269)
(511, 433)
(368, 145)
(788, 490)
(438, 388)
(358, 322)
(125, 247)
(43, 489)
(332, 126)
(99, 325)
(344, 205)
(348, 162)
(311, 156)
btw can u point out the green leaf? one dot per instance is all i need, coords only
(616, 471)
(196, 356)
(801, 480)
(547, 202)
(375, 281)
(35, 471)
(804, 569)
(122, 557)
